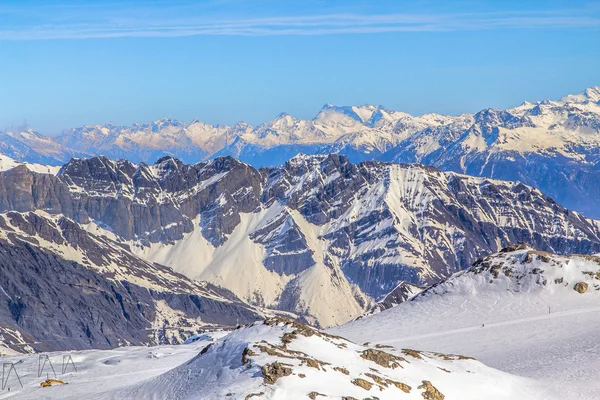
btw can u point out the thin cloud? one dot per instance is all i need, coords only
(119, 26)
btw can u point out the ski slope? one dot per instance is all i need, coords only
(275, 359)
(561, 349)
(514, 323)
(98, 371)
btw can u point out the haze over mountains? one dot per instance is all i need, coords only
(551, 145)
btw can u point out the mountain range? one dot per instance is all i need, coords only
(102, 253)
(551, 145)
(318, 236)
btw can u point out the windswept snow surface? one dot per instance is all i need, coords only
(515, 311)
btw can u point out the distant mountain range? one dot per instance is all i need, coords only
(551, 145)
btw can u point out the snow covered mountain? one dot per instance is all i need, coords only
(149, 142)
(533, 281)
(33, 147)
(521, 310)
(551, 145)
(318, 236)
(279, 359)
(7, 163)
(271, 359)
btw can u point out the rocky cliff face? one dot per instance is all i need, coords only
(64, 288)
(318, 235)
(385, 223)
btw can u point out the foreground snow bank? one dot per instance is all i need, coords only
(282, 359)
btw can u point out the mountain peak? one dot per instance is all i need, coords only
(591, 94)
(282, 114)
(166, 121)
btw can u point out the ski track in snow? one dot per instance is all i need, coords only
(561, 349)
(502, 323)
(505, 322)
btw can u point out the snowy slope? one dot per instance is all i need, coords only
(279, 359)
(535, 323)
(519, 283)
(97, 371)
(274, 359)
(8, 163)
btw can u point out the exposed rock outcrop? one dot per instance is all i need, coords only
(581, 287)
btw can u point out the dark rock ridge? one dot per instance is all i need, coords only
(63, 288)
(401, 293)
(373, 224)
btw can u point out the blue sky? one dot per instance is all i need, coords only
(70, 63)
